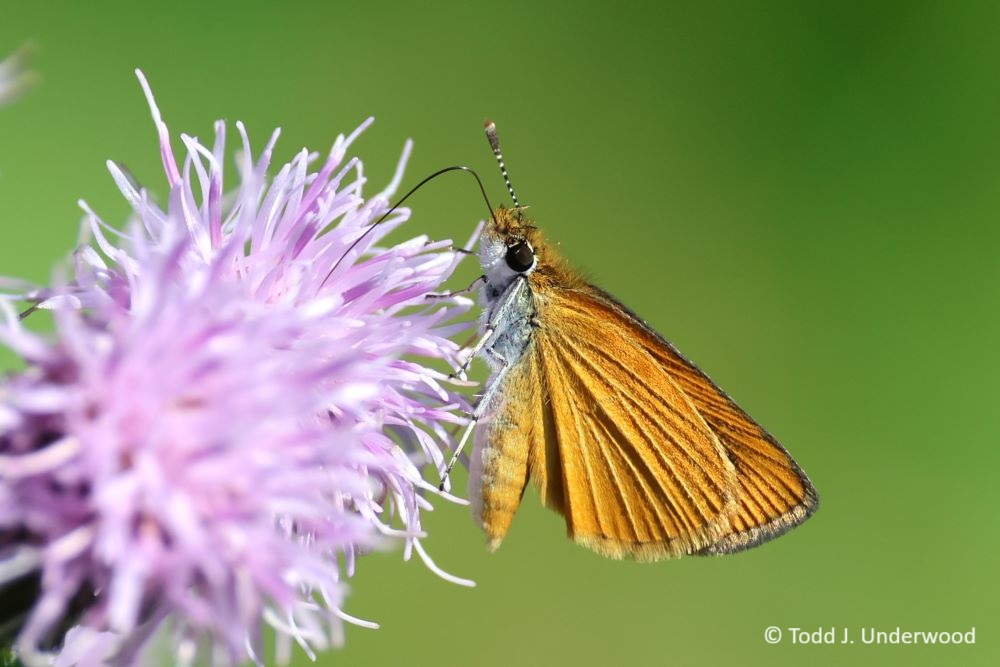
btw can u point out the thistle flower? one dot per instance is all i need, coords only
(214, 435)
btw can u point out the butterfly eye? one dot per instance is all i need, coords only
(520, 257)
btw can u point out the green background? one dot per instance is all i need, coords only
(804, 197)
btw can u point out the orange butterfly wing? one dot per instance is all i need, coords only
(642, 454)
(640, 472)
(773, 493)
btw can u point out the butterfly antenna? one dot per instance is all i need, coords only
(402, 199)
(491, 134)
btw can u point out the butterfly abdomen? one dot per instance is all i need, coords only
(498, 474)
(505, 449)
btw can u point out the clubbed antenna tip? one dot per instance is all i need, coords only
(491, 135)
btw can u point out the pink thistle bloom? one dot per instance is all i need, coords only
(236, 405)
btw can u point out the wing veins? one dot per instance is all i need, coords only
(613, 467)
(682, 518)
(589, 477)
(704, 463)
(671, 437)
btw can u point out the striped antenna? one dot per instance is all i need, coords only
(491, 134)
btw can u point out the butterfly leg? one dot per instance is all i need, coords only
(458, 251)
(28, 311)
(480, 346)
(477, 414)
(500, 319)
(465, 290)
(473, 353)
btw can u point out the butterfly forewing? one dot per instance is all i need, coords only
(643, 475)
(773, 493)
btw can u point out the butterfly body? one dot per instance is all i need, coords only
(641, 453)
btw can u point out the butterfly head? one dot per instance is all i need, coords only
(510, 246)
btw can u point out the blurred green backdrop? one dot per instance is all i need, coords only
(804, 197)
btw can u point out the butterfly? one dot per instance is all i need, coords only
(642, 453)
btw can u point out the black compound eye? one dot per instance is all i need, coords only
(520, 257)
